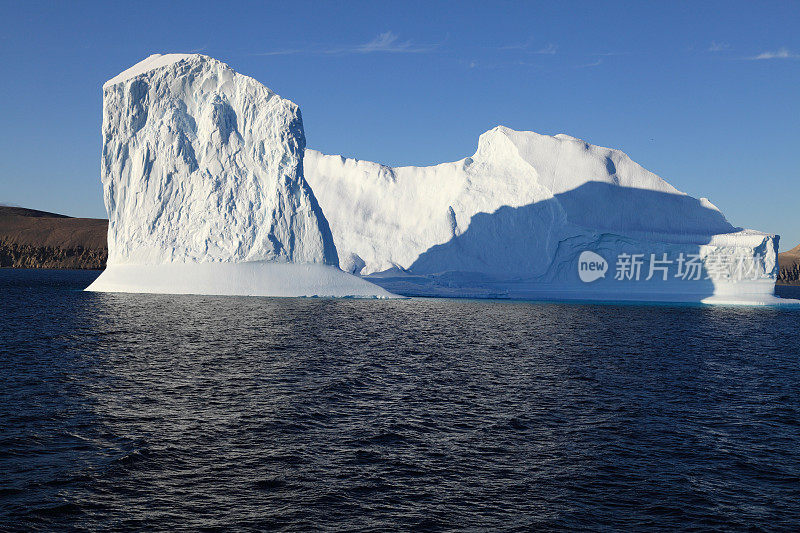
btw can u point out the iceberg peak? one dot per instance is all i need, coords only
(152, 62)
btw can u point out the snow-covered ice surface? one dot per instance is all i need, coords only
(513, 221)
(202, 165)
(256, 278)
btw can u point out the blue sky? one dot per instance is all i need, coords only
(705, 94)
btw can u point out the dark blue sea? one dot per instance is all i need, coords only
(156, 412)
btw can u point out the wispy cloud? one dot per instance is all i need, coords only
(718, 46)
(389, 42)
(386, 42)
(550, 49)
(780, 53)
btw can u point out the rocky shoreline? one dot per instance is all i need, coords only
(789, 263)
(38, 239)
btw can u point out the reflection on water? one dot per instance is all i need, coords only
(145, 411)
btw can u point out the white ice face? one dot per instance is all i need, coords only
(202, 164)
(521, 211)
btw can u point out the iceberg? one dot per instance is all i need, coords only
(533, 216)
(210, 190)
(202, 174)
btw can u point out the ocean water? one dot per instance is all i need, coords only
(188, 412)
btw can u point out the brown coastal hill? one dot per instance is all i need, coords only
(789, 263)
(37, 239)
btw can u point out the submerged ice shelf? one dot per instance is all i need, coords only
(252, 278)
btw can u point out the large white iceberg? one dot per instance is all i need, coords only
(537, 216)
(202, 173)
(203, 178)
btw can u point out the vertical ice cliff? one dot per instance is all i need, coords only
(203, 167)
(514, 219)
(203, 164)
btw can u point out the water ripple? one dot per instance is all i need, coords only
(190, 412)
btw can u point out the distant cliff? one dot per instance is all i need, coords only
(37, 239)
(789, 263)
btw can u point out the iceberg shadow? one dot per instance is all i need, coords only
(533, 251)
